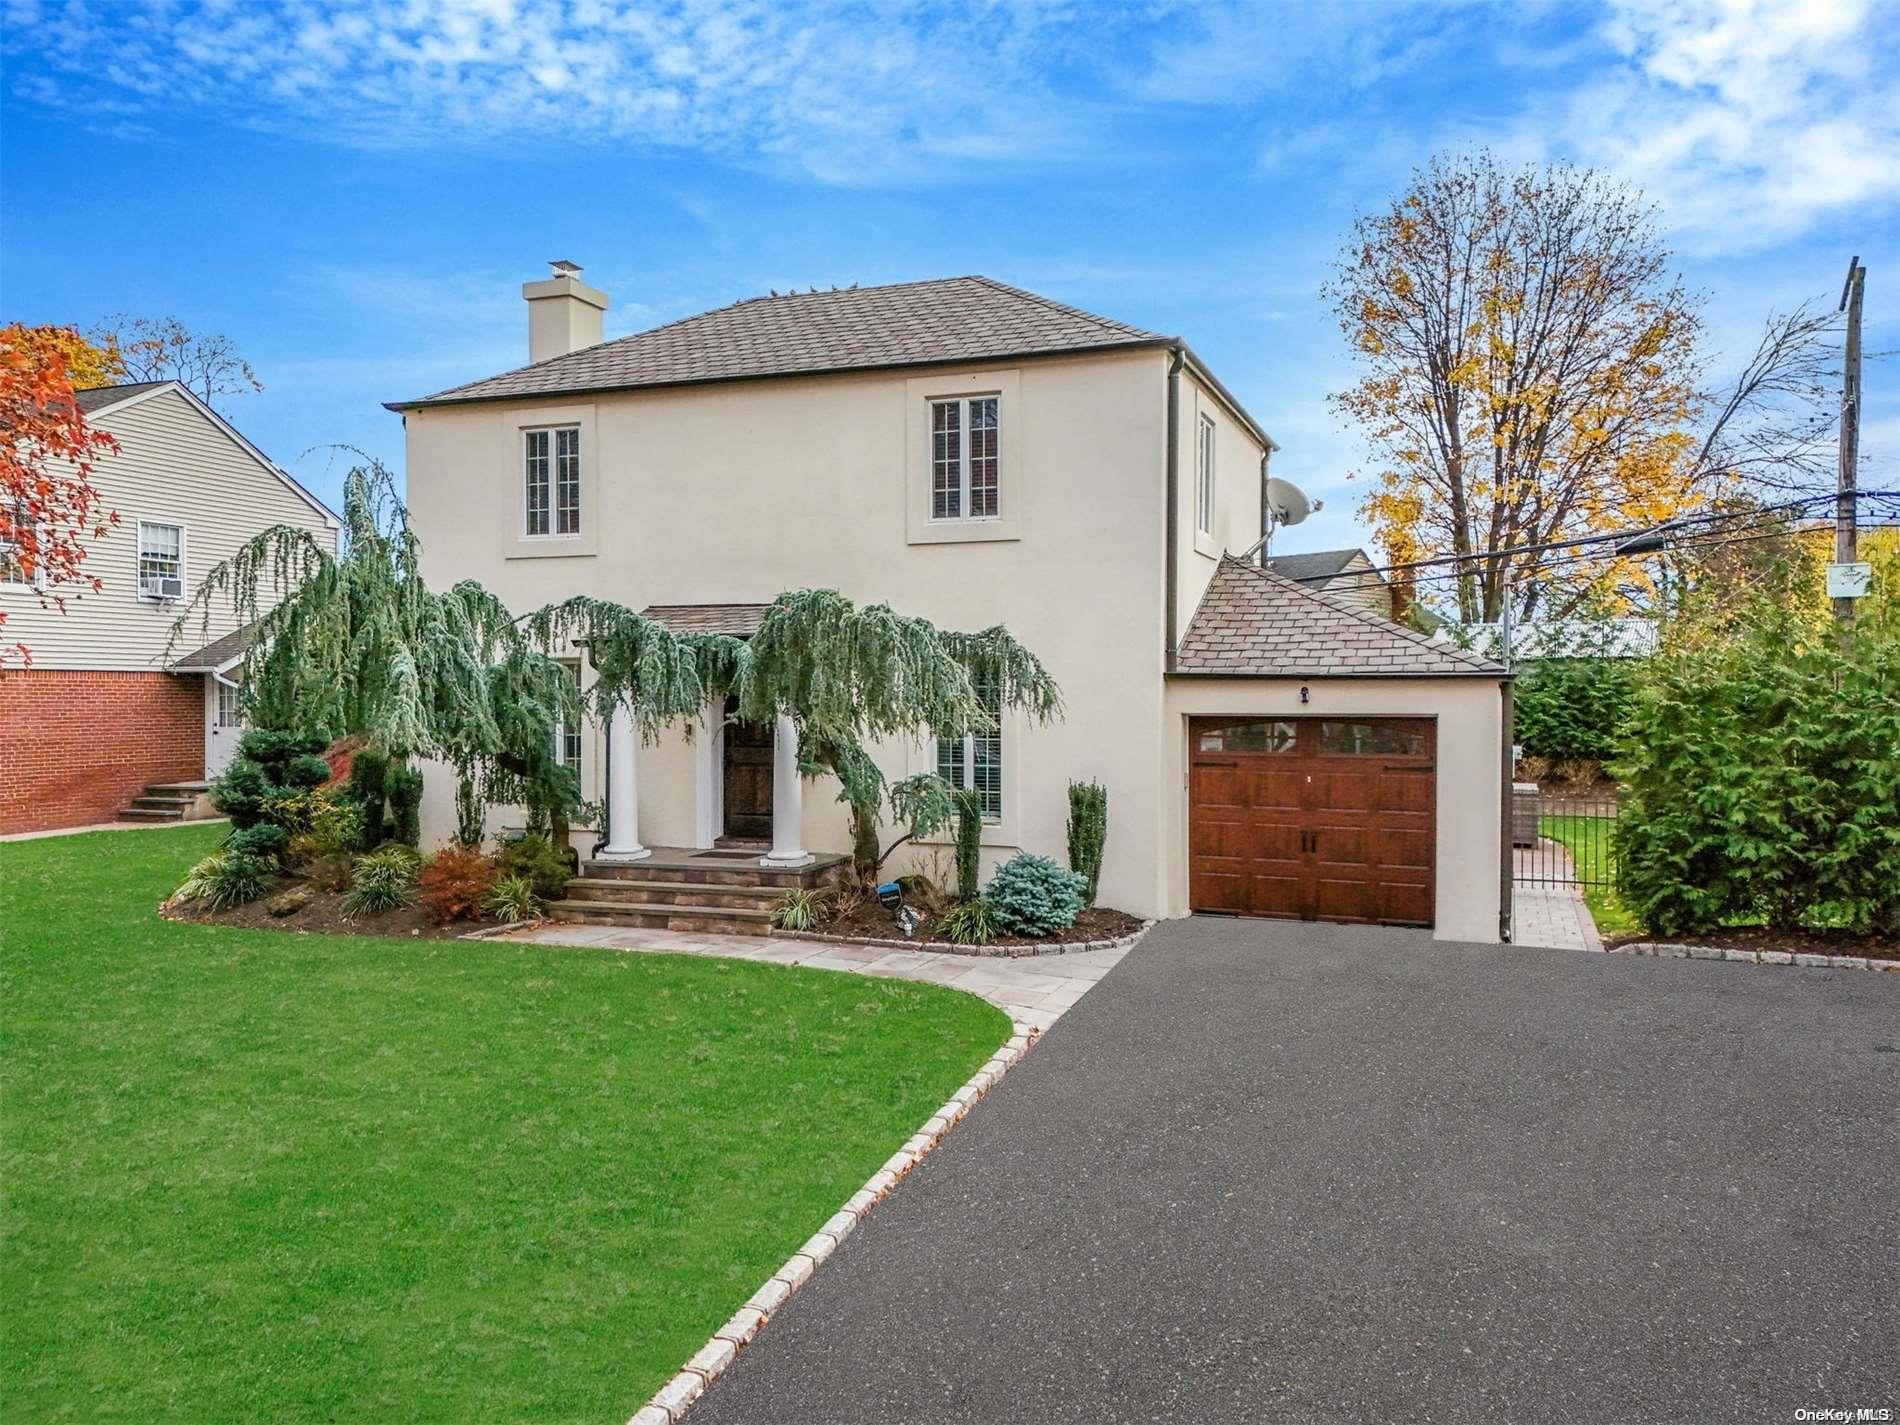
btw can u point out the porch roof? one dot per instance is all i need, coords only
(218, 653)
(736, 620)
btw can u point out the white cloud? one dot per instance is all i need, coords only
(1752, 121)
(847, 93)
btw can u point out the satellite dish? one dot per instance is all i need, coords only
(1286, 502)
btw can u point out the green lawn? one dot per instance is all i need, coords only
(256, 1176)
(1587, 838)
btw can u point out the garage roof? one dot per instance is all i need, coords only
(1253, 623)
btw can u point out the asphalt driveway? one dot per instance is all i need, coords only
(1312, 1173)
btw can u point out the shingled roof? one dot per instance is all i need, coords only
(738, 620)
(1253, 623)
(220, 651)
(97, 398)
(1319, 564)
(853, 329)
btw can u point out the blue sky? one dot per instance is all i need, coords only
(354, 192)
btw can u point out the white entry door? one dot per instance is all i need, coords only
(223, 726)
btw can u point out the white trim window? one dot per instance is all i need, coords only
(161, 560)
(230, 704)
(551, 481)
(966, 481)
(1204, 478)
(17, 566)
(567, 735)
(975, 762)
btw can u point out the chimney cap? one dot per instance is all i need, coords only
(563, 268)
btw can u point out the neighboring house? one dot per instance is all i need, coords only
(1345, 573)
(974, 454)
(103, 711)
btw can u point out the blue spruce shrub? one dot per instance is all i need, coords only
(1031, 895)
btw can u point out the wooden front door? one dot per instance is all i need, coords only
(1313, 818)
(748, 778)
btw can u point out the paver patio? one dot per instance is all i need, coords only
(1034, 990)
(1551, 916)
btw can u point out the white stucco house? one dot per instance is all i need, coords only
(975, 454)
(110, 718)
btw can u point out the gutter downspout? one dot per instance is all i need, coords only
(1507, 851)
(1177, 356)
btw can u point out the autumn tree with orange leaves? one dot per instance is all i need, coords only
(49, 509)
(1528, 373)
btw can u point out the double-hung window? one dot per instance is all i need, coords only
(975, 762)
(16, 546)
(1204, 478)
(161, 560)
(551, 480)
(965, 464)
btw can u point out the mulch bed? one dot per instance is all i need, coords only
(871, 921)
(1795, 942)
(324, 915)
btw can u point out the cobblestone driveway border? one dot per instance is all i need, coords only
(946, 947)
(670, 1402)
(1664, 950)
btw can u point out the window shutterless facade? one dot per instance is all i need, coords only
(161, 560)
(975, 762)
(16, 563)
(551, 481)
(965, 458)
(1204, 478)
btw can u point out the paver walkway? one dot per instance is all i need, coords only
(1033, 990)
(1551, 916)
(1276, 1172)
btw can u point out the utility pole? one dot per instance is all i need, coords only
(1845, 532)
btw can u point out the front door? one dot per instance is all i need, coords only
(223, 725)
(1312, 818)
(748, 777)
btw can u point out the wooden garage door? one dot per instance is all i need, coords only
(1312, 818)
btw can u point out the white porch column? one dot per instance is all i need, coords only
(788, 799)
(623, 802)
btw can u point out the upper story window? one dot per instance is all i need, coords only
(1204, 478)
(551, 480)
(161, 560)
(16, 560)
(975, 762)
(965, 469)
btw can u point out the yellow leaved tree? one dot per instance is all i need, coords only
(1529, 372)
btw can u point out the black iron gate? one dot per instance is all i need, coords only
(1562, 838)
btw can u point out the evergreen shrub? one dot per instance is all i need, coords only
(1031, 895)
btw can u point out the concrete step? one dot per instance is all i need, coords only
(674, 893)
(176, 789)
(139, 813)
(148, 802)
(637, 915)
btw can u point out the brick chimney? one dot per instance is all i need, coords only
(563, 312)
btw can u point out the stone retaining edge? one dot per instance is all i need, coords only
(945, 947)
(670, 1402)
(1665, 950)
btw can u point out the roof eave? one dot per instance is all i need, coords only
(1494, 674)
(566, 392)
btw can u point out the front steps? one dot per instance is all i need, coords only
(720, 892)
(171, 801)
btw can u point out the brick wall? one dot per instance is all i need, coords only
(76, 747)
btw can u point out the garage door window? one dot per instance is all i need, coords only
(1248, 737)
(1372, 739)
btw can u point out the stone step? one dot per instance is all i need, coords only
(177, 789)
(138, 813)
(642, 916)
(735, 873)
(677, 893)
(149, 802)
